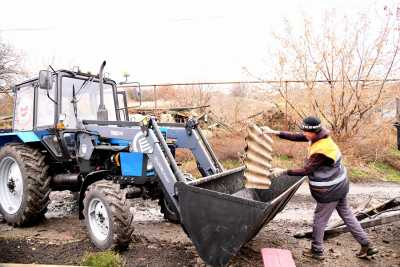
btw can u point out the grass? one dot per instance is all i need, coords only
(283, 157)
(284, 161)
(395, 153)
(372, 171)
(231, 164)
(102, 259)
(358, 173)
(387, 171)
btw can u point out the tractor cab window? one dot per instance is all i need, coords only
(81, 98)
(45, 107)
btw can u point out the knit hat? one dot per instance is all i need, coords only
(311, 124)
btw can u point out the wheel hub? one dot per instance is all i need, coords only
(11, 185)
(98, 219)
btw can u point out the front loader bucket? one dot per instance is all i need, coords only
(219, 217)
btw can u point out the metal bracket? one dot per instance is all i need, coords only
(190, 125)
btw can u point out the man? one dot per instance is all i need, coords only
(328, 183)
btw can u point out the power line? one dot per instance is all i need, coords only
(24, 29)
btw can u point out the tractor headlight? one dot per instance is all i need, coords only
(51, 142)
(150, 165)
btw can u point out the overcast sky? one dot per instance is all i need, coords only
(157, 41)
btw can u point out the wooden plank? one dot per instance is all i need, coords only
(365, 224)
(392, 203)
(273, 257)
(6, 118)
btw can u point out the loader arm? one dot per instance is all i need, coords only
(217, 220)
(150, 139)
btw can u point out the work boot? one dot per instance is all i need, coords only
(367, 250)
(311, 253)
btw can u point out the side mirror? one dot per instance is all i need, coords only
(45, 80)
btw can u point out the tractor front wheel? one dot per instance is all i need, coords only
(107, 215)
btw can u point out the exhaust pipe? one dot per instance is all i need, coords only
(67, 181)
(102, 113)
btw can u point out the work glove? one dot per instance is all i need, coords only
(267, 130)
(277, 172)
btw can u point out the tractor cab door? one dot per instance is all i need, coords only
(24, 108)
(33, 108)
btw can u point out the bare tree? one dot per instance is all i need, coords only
(194, 95)
(239, 90)
(10, 70)
(166, 93)
(10, 65)
(357, 58)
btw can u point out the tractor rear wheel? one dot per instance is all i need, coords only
(24, 184)
(107, 215)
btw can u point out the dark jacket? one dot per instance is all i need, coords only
(327, 175)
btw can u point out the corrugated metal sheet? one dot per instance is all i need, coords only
(258, 158)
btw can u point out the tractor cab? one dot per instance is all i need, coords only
(65, 98)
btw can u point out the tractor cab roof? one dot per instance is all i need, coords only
(78, 74)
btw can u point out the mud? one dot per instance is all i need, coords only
(62, 239)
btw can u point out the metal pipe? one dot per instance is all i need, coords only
(259, 82)
(215, 176)
(101, 85)
(102, 113)
(218, 164)
(65, 179)
(172, 162)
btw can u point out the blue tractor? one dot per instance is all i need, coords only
(71, 132)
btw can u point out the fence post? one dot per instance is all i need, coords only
(286, 107)
(397, 123)
(155, 96)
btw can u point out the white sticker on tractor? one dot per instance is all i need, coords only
(24, 112)
(116, 133)
(140, 144)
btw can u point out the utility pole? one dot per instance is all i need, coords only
(155, 96)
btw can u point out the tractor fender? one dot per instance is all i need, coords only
(89, 179)
(18, 137)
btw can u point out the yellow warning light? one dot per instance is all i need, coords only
(60, 125)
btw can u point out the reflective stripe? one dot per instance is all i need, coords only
(339, 179)
(338, 156)
(311, 127)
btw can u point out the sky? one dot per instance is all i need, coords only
(157, 41)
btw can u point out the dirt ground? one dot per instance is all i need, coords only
(62, 239)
